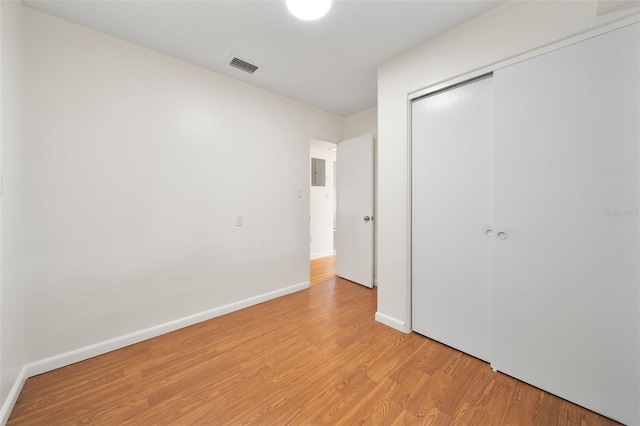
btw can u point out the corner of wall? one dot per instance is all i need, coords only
(10, 401)
(393, 322)
(361, 123)
(12, 336)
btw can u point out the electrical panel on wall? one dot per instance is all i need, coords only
(318, 175)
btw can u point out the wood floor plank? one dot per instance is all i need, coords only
(473, 408)
(323, 269)
(423, 404)
(315, 357)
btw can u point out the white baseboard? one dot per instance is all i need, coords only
(7, 407)
(87, 352)
(68, 358)
(393, 322)
(322, 254)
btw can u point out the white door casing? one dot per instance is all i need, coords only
(354, 203)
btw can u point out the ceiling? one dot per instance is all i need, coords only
(330, 63)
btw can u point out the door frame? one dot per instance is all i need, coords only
(328, 176)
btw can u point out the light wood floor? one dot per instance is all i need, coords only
(322, 269)
(311, 358)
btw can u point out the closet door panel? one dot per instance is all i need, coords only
(566, 194)
(451, 159)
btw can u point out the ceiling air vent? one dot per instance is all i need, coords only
(243, 65)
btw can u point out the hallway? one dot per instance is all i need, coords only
(323, 269)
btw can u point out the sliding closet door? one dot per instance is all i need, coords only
(451, 158)
(566, 197)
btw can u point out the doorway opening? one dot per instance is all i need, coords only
(322, 208)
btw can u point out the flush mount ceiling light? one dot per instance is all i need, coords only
(308, 10)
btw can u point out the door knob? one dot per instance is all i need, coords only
(502, 235)
(367, 219)
(489, 232)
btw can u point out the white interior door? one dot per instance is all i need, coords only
(354, 210)
(566, 194)
(451, 212)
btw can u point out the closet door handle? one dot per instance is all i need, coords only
(502, 235)
(489, 232)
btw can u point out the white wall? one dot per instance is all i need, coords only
(477, 46)
(322, 202)
(362, 123)
(12, 356)
(136, 166)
